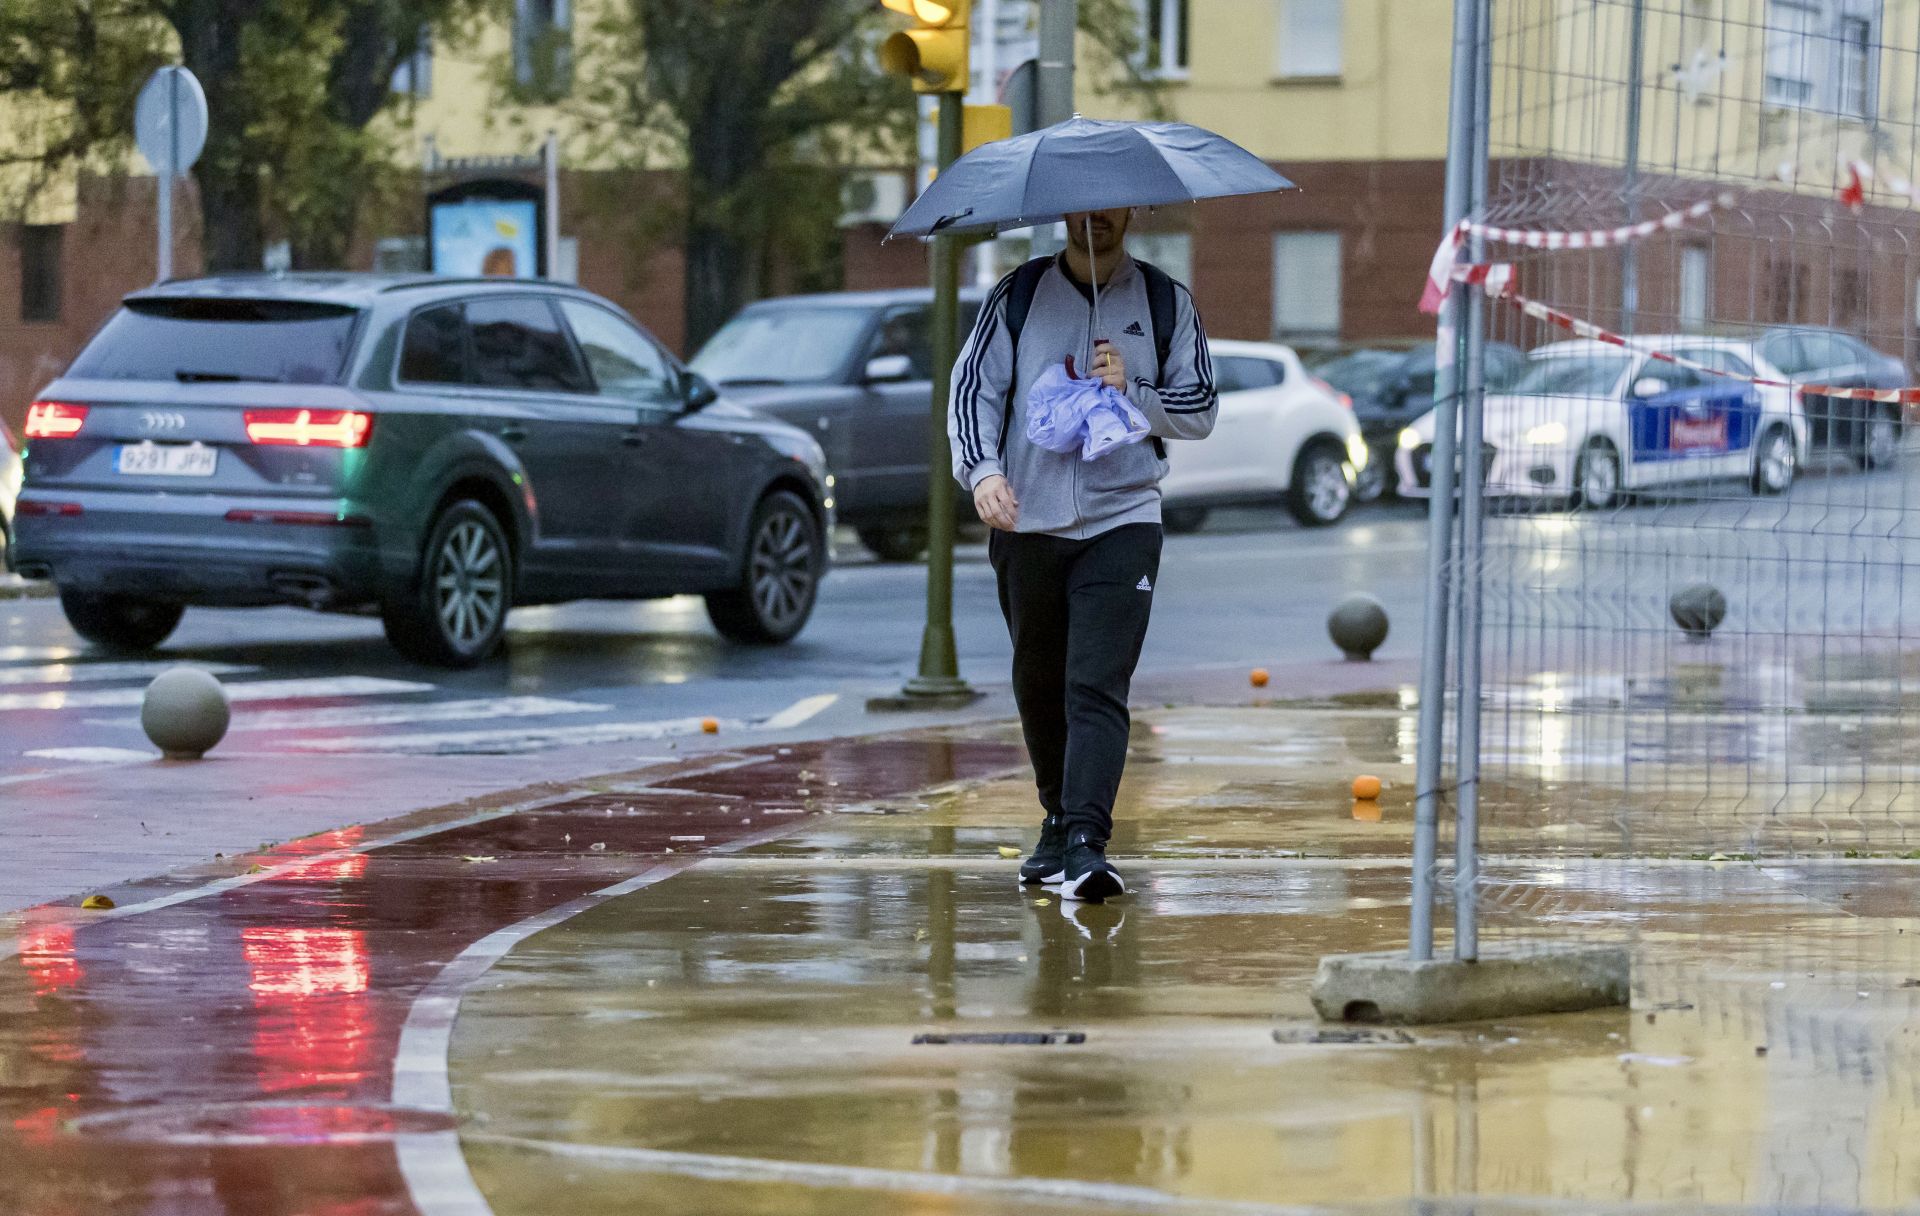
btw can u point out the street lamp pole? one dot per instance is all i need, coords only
(938, 680)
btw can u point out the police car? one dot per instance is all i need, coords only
(1591, 422)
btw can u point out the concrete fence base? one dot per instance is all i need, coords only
(1506, 981)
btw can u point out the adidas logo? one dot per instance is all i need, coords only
(1133, 328)
(1143, 584)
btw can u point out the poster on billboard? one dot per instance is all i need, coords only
(485, 229)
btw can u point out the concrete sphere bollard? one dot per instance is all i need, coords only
(1357, 625)
(185, 713)
(1698, 609)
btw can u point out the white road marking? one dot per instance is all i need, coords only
(392, 715)
(714, 1167)
(93, 755)
(793, 715)
(77, 673)
(511, 742)
(257, 690)
(37, 654)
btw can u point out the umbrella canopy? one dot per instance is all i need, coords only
(1084, 164)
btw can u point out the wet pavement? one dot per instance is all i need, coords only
(717, 1011)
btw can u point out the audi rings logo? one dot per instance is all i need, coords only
(162, 420)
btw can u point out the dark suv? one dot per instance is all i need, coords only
(439, 449)
(853, 369)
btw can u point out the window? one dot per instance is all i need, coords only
(193, 339)
(1695, 280)
(1163, 38)
(414, 76)
(400, 255)
(1306, 284)
(1170, 251)
(1717, 359)
(623, 362)
(1821, 55)
(40, 271)
(1236, 373)
(1310, 42)
(783, 344)
(518, 343)
(435, 349)
(909, 332)
(543, 46)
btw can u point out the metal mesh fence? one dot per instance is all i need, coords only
(1698, 578)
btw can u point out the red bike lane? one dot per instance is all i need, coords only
(234, 1052)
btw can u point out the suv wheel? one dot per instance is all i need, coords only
(900, 543)
(781, 579)
(1320, 491)
(455, 612)
(120, 622)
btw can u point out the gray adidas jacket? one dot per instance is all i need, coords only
(1059, 493)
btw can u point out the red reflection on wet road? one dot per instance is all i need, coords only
(233, 1053)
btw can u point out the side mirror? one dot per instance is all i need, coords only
(1649, 386)
(698, 391)
(883, 369)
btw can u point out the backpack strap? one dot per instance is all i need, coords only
(1161, 307)
(1026, 283)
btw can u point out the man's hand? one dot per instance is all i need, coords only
(993, 499)
(1109, 366)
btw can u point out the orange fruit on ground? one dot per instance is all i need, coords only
(1366, 788)
(710, 725)
(1258, 676)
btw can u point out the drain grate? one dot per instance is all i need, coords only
(1011, 1038)
(1313, 1035)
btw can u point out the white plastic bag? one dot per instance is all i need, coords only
(1065, 414)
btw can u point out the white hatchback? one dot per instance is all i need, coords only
(1591, 422)
(1282, 435)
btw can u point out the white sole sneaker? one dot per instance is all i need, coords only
(1094, 886)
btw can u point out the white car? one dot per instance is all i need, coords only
(1591, 422)
(1282, 435)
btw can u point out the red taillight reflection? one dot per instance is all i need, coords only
(55, 419)
(31, 507)
(309, 428)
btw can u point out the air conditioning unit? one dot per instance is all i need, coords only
(872, 198)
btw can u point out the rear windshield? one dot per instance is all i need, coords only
(277, 341)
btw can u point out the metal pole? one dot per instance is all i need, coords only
(1473, 512)
(550, 154)
(1058, 20)
(1629, 255)
(163, 263)
(939, 674)
(986, 45)
(1433, 652)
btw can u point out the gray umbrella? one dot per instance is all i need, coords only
(1083, 164)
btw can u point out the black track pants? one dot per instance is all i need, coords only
(1077, 611)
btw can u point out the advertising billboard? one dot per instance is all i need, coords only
(485, 229)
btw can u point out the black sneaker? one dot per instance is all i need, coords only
(1089, 877)
(1049, 861)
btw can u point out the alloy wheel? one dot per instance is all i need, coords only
(1881, 443)
(1600, 482)
(781, 568)
(468, 592)
(1776, 462)
(1327, 488)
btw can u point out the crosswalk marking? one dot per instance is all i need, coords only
(82, 673)
(799, 712)
(510, 742)
(90, 755)
(37, 654)
(393, 715)
(257, 690)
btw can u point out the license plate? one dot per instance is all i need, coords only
(166, 460)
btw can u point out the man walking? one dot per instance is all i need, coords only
(1076, 544)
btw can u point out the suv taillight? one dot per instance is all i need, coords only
(55, 420)
(309, 428)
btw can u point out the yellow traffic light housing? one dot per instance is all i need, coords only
(932, 54)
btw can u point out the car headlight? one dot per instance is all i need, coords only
(1357, 452)
(1410, 439)
(1547, 435)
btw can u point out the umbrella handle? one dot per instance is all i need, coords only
(1093, 272)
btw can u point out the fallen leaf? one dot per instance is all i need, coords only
(597, 847)
(1008, 852)
(919, 935)
(1042, 903)
(97, 902)
(478, 860)
(256, 869)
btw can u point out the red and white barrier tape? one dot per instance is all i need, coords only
(1496, 276)
(1445, 257)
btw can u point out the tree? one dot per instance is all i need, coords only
(293, 87)
(762, 107)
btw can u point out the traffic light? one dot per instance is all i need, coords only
(933, 53)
